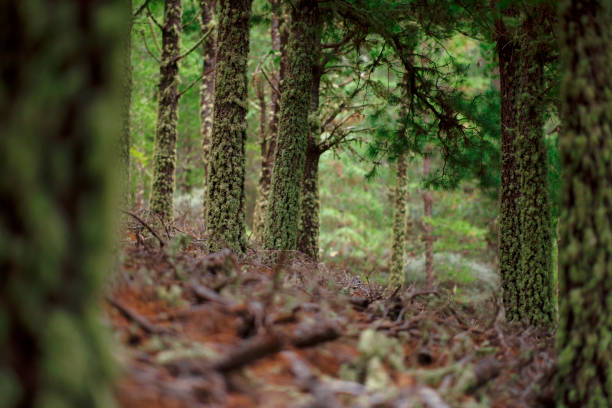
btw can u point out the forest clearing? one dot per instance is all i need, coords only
(306, 203)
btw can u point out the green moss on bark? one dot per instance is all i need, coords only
(207, 8)
(396, 270)
(164, 158)
(535, 286)
(585, 258)
(225, 213)
(268, 145)
(509, 56)
(283, 205)
(308, 228)
(58, 164)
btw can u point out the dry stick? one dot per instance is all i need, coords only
(142, 321)
(265, 345)
(147, 226)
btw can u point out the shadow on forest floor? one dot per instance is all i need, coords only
(210, 330)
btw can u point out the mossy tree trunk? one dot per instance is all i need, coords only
(396, 273)
(584, 376)
(509, 57)
(126, 100)
(428, 229)
(225, 216)
(283, 205)
(207, 8)
(164, 159)
(268, 143)
(534, 279)
(308, 226)
(57, 153)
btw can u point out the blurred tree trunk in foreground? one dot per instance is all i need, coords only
(585, 256)
(61, 123)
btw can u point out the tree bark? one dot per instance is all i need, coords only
(428, 237)
(283, 209)
(584, 377)
(509, 57)
(58, 173)
(164, 159)
(124, 144)
(268, 144)
(396, 273)
(535, 285)
(225, 214)
(308, 229)
(207, 8)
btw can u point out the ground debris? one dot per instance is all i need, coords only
(245, 333)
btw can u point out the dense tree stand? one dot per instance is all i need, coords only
(585, 259)
(225, 216)
(162, 200)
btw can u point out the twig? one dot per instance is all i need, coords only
(196, 45)
(147, 226)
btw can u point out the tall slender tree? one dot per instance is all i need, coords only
(584, 377)
(164, 159)
(398, 246)
(207, 9)
(57, 152)
(225, 216)
(124, 145)
(278, 36)
(283, 206)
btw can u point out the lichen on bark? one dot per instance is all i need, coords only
(225, 216)
(58, 173)
(584, 377)
(280, 231)
(534, 279)
(268, 144)
(396, 269)
(509, 57)
(207, 9)
(164, 158)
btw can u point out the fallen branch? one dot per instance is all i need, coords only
(147, 226)
(131, 315)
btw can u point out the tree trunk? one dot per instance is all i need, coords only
(225, 215)
(283, 207)
(396, 273)
(308, 226)
(428, 237)
(509, 241)
(535, 286)
(585, 273)
(308, 229)
(126, 100)
(164, 159)
(268, 144)
(58, 167)
(207, 8)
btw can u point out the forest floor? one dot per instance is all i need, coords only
(211, 330)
